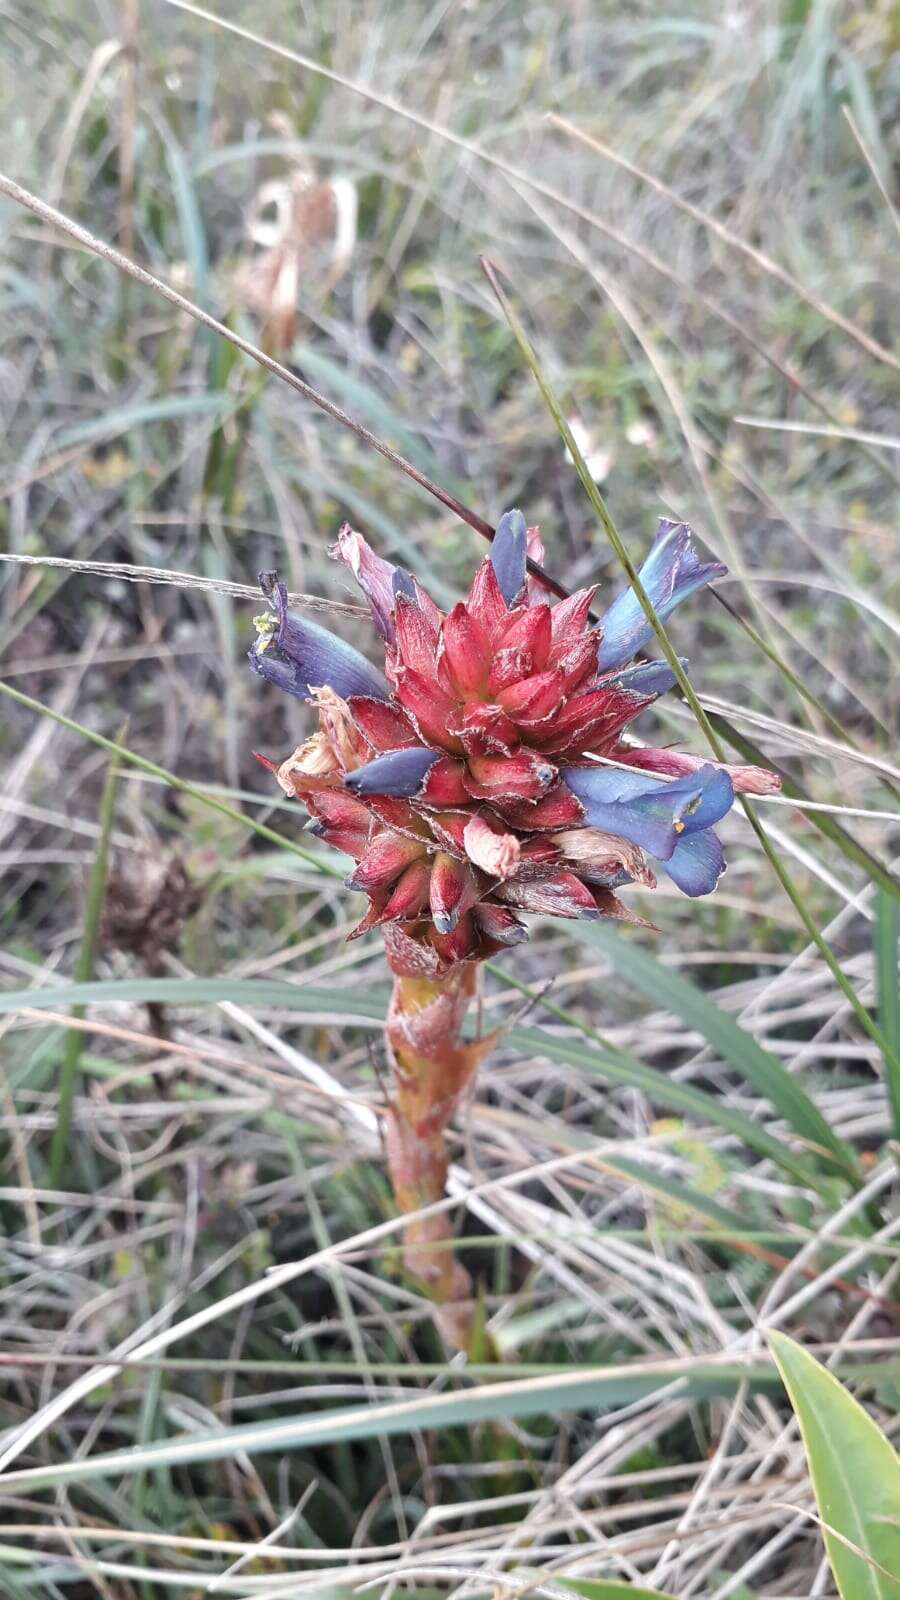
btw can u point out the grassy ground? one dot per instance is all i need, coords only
(633, 1242)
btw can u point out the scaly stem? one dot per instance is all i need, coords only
(432, 1069)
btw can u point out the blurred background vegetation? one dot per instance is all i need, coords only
(703, 259)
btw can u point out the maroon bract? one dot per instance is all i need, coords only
(463, 781)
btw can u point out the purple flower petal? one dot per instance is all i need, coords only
(396, 773)
(508, 552)
(671, 572)
(297, 656)
(650, 678)
(657, 818)
(696, 864)
(699, 798)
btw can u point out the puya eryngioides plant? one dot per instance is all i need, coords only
(464, 780)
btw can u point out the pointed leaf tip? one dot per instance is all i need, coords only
(855, 1473)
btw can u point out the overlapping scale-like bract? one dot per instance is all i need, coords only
(472, 782)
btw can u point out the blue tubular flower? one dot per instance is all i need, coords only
(671, 572)
(650, 678)
(508, 553)
(397, 773)
(297, 656)
(672, 820)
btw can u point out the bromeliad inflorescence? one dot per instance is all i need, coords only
(472, 783)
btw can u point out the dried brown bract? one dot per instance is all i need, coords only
(148, 902)
(301, 235)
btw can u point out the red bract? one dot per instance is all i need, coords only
(465, 782)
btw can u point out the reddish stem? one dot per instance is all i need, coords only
(432, 1069)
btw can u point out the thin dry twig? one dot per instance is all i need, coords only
(182, 580)
(887, 441)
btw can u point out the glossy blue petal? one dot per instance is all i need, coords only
(696, 864)
(697, 800)
(656, 816)
(646, 677)
(297, 656)
(396, 773)
(508, 552)
(671, 572)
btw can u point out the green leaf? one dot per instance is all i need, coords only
(731, 1043)
(855, 1473)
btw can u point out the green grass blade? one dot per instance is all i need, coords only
(124, 418)
(190, 217)
(714, 1105)
(683, 1196)
(887, 928)
(93, 911)
(350, 1006)
(759, 1067)
(590, 1389)
(663, 1090)
(855, 1473)
(797, 900)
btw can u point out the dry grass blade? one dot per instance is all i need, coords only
(758, 257)
(873, 167)
(797, 738)
(181, 580)
(631, 1195)
(782, 425)
(276, 1278)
